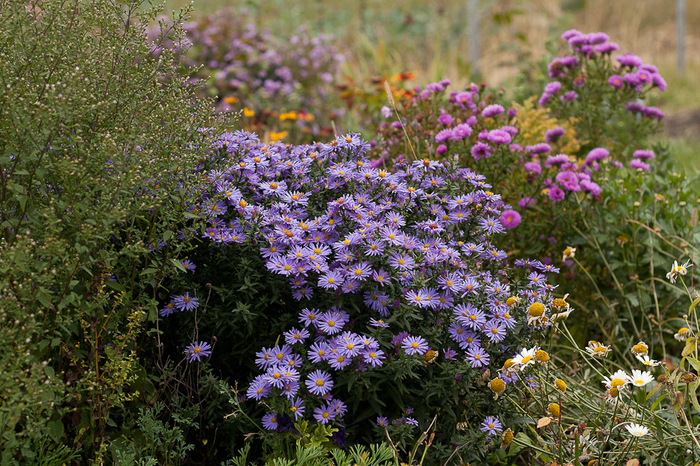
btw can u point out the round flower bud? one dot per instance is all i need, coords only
(536, 309)
(554, 409)
(507, 437)
(561, 385)
(542, 356)
(497, 386)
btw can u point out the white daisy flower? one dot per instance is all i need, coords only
(641, 378)
(618, 380)
(678, 270)
(596, 349)
(525, 357)
(637, 430)
(647, 361)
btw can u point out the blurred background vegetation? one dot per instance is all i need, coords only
(385, 38)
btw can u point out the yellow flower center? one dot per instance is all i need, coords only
(527, 359)
(319, 382)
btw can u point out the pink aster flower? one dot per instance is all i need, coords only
(510, 219)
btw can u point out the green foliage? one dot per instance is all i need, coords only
(95, 144)
(160, 443)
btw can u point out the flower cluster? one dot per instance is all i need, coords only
(395, 265)
(251, 69)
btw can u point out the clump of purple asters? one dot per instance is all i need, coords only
(407, 251)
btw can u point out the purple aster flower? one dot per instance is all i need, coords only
(297, 408)
(461, 131)
(373, 357)
(258, 388)
(415, 345)
(295, 336)
(318, 352)
(644, 154)
(591, 187)
(443, 135)
(441, 149)
(498, 136)
(526, 202)
(185, 302)
(401, 261)
(607, 47)
(324, 414)
(553, 135)
(331, 322)
(197, 350)
(634, 107)
(188, 265)
(533, 168)
(615, 81)
(596, 154)
(495, 331)
(552, 87)
(381, 277)
(638, 164)
(556, 194)
(539, 148)
(477, 357)
(659, 81)
(269, 421)
(449, 354)
(510, 219)
(445, 119)
(378, 323)
(653, 112)
(556, 160)
(319, 382)
(630, 59)
(339, 361)
(491, 425)
(568, 180)
(492, 111)
(568, 96)
(168, 309)
(382, 421)
(410, 421)
(480, 151)
(309, 317)
(385, 111)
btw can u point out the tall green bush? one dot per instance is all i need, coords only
(98, 144)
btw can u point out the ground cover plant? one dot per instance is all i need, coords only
(178, 289)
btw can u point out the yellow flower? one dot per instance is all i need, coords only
(507, 438)
(536, 309)
(554, 409)
(542, 356)
(231, 100)
(274, 137)
(561, 385)
(497, 386)
(248, 112)
(288, 116)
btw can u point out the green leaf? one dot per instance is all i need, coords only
(114, 285)
(178, 264)
(55, 429)
(48, 370)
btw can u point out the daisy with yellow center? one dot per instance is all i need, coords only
(569, 252)
(641, 378)
(677, 270)
(640, 349)
(497, 386)
(637, 430)
(618, 380)
(525, 357)
(561, 385)
(647, 361)
(596, 349)
(682, 334)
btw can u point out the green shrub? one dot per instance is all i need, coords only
(97, 147)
